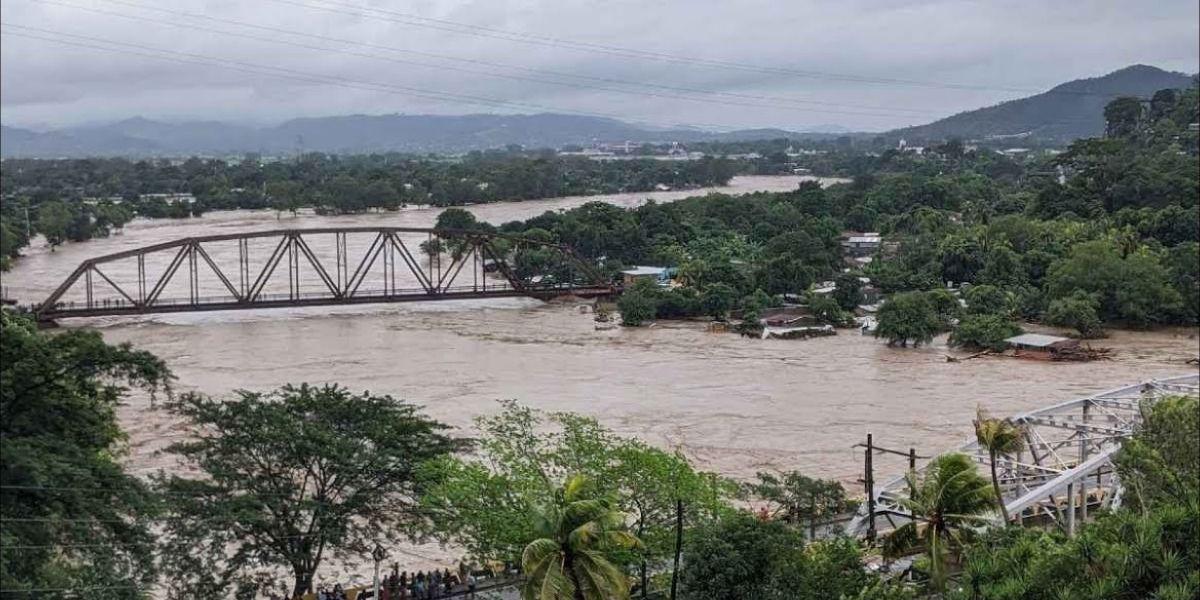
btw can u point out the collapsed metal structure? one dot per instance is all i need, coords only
(250, 270)
(1066, 468)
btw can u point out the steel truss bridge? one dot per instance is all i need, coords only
(1066, 468)
(320, 267)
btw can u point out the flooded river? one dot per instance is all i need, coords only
(734, 405)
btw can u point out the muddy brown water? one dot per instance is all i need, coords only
(734, 405)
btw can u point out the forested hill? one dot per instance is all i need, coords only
(349, 134)
(1067, 112)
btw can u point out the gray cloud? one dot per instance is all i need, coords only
(998, 46)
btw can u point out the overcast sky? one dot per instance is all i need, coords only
(862, 64)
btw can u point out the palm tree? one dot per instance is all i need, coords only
(1001, 437)
(950, 496)
(569, 560)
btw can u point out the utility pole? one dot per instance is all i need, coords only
(869, 475)
(869, 481)
(378, 554)
(678, 546)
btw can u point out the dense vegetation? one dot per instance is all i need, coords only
(1105, 232)
(53, 191)
(290, 477)
(72, 517)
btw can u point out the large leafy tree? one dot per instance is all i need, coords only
(288, 478)
(1077, 311)
(54, 221)
(948, 497)
(1132, 286)
(569, 560)
(1160, 464)
(72, 518)
(984, 331)
(908, 317)
(744, 557)
(487, 502)
(797, 498)
(651, 486)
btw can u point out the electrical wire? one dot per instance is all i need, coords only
(293, 74)
(555, 42)
(898, 111)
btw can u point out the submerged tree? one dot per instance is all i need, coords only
(908, 317)
(570, 558)
(290, 477)
(984, 331)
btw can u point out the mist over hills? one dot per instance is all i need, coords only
(1068, 111)
(351, 134)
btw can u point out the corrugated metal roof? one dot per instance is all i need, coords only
(642, 270)
(1036, 340)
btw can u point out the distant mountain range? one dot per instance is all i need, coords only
(354, 134)
(1069, 111)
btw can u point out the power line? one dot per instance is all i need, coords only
(541, 40)
(285, 73)
(411, 509)
(441, 67)
(95, 588)
(900, 111)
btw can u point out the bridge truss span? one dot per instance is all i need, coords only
(1066, 468)
(320, 267)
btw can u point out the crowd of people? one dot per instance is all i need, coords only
(420, 585)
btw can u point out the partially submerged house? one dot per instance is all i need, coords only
(659, 275)
(1040, 345)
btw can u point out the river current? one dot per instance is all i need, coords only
(732, 404)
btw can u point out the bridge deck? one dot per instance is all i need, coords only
(120, 308)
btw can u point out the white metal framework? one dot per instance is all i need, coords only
(1066, 467)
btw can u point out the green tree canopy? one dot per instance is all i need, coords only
(988, 300)
(73, 518)
(796, 498)
(487, 503)
(987, 331)
(639, 303)
(289, 478)
(908, 317)
(1160, 464)
(1077, 311)
(743, 557)
(1134, 287)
